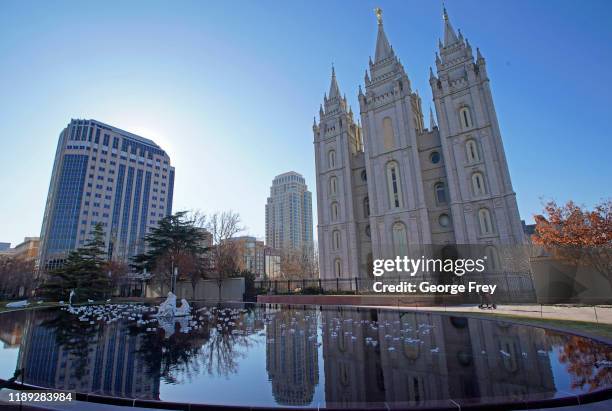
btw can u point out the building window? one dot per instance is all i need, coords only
(336, 240)
(368, 231)
(478, 184)
(440, 191)
(472, 151)
(492, 258)
(338, 267)
(393, 183)
(366, 207)
(331, 158)
(400, 239)
(333, 182)
(465, 117)
(435, 157)
(388, 135)
(486, 224)
(444, 220)
(364, 176)
(334, 211)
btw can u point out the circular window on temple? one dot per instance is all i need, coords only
(444, 220)
(435, 157)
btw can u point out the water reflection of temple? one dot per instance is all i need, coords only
(292, 356)
(458, 358)
(106, 364)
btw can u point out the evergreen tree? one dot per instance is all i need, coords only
(84, 271)
(175, 241)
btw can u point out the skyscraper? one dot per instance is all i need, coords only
(289, 213)
(102, 174)
(391, 184)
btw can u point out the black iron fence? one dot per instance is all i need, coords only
(514, 287)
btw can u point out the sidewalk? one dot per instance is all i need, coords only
(594, 314)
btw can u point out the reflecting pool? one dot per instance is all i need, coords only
(285, 356)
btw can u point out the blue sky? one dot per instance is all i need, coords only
(230, 88)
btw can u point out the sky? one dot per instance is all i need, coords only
(229, 89)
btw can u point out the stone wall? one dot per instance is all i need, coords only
(232, 289)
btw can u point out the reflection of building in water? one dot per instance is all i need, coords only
(108, 365)
(11, 329)
(292, 356)
(436, 357)
(353, 372)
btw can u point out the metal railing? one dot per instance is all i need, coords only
(516, 287)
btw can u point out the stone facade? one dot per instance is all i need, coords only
(390, 186)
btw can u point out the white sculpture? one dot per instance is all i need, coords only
(183, 310)
(169, 309)
(70, 298)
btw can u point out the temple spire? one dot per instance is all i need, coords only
(432, 120)
(449, 33)
(334, 90)
(383, 49)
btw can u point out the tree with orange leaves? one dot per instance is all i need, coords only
(576, 234)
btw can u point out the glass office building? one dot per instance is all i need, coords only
(109, 176)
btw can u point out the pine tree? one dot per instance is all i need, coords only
(174, 243)
(83, 271)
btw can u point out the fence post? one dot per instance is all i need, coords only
(337, 284)
(320, 288)
(356, 285)
(289, 286)
(275, 286)
(303, 283)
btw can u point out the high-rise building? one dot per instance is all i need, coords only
(289, 213)
(389, 184)
(105, 175)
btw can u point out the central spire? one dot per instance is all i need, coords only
(449, 33)
(383, 49)
(334, 90)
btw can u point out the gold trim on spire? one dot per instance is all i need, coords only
(378, 12)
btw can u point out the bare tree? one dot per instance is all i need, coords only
(222, 226)
(300, 263)
(16, 276)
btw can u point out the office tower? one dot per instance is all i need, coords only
(390, 183)
(105, 175)
(289, 213)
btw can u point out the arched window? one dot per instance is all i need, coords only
(331, 158)
(338, 267)
(333, 185)
(400, 239)
(366, 207)
(336, 240)
(472, 151)
(440, 191)
(334, 211)
(478, 184)
(388, 134)
(486, 224)
(393, 185)
(492, 258)
(465, 117)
